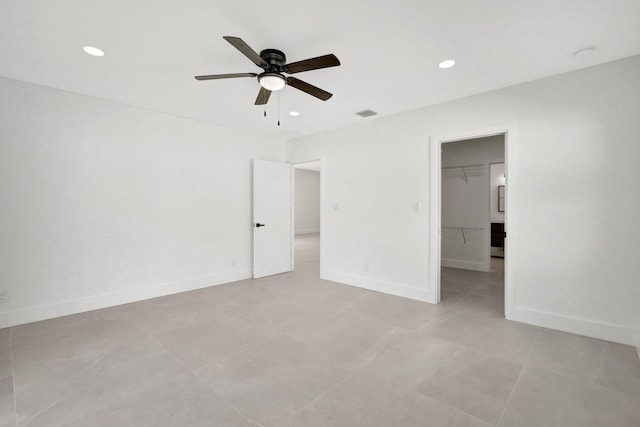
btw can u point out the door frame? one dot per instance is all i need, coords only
(293, 209)
(435, 143)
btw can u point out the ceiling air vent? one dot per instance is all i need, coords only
(366, 113)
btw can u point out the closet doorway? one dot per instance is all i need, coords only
(469, 220)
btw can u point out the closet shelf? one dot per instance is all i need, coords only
(465, 170)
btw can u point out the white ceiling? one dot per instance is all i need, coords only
(389, 51)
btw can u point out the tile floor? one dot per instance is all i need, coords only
(293, 350)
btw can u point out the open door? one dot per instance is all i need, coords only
(272, 222)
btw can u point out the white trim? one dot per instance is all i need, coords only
(436, 142)
(434, 229)
(377, 285)
(292, 215)
(575, 325)
(323, 223)
(64, 308)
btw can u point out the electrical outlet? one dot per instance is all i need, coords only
(4, 297)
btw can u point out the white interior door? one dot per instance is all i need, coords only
(272, 222)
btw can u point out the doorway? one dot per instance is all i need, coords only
(307, 217)
(462, 268)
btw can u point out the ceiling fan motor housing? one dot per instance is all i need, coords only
(275, 58)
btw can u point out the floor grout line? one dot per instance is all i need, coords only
(515, 385)
(449, 405)
(328, 390)
(13, 375)
(205, 384)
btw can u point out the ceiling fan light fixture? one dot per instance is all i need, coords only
(271, 81)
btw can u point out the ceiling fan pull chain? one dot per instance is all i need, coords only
(278, 108)
(265, 110)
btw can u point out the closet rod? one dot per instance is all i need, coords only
(463, 166)
(464, 170)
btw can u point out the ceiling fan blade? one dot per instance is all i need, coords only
(246, 50)
(313, 64)
(308, 88)
(225, 76)
(263, 96)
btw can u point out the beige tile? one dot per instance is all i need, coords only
(48, 395)
(449, 297)
(491, 305)
(7, 403)
(620, 369)
(608, 364)
(402, 312)
(364, 400)
(503, 338)
(203, 343)
(63, 346)
(154, 315)
(478, 384)
(475, 282)
(274, 380)
(5, 353)
(182, 401)
(267, 289)
(572, 355)
(291, 312)
(545, 398)
(349, 336)
(413, 360)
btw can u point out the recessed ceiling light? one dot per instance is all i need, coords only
(447, 64)
(93, 51)
(584, 52)
(294, 113)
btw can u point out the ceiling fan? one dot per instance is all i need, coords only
(274, 64)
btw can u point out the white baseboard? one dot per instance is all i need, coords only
(308, 231)
(64, 308)
(465, 265)
(574, 325)
(376, 285)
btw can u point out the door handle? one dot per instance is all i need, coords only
(259, 225)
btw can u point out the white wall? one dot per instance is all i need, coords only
(574, 233)
(465, 202)
(103, 203)
(307, 201)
